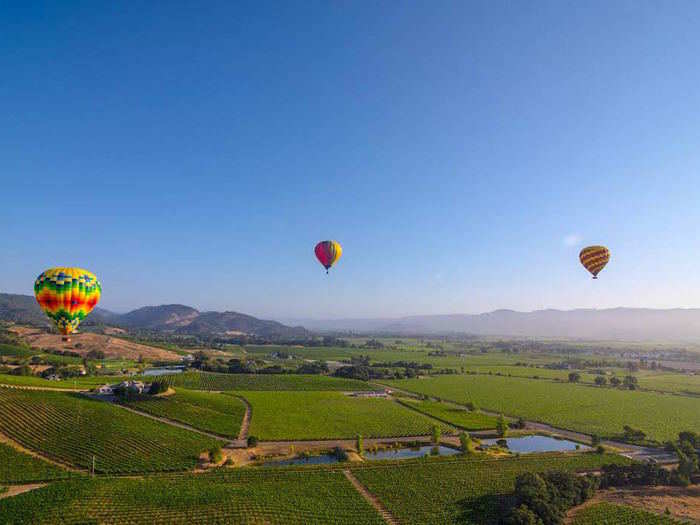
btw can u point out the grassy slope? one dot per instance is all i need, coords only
(242, 496)
(461, 490)
(587, 409)
(459, 417)
(73, 428)
(212, 412)
(326, 415)
(611, 514)
(17, 467)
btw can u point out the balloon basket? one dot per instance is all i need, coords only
(65, 339)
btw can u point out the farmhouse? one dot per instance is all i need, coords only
(372, 393)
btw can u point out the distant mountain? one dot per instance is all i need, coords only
(638, 324)
(164, 317)
(174, 318)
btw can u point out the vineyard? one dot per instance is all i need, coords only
(610, 514)
(327, 415)
(240, 496)
(461, 490)
(80, 383)
(212, 412)
(17, 467)
(583, 408)
(214, 381)
(454, 415)
(72, 428)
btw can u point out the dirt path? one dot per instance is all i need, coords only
(682, 502)
(172, 423)
(371, 498)
(45, 388)
(16, 490)
(12, 443)
(243, 434)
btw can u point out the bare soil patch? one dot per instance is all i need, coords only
(682, 502)
(113, 347)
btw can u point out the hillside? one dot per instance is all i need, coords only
(113, 347)
(637, 324)
(172, 318)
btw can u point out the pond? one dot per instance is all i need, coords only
(408, 453)
(535, 443)
(311, 460)
(162, 371)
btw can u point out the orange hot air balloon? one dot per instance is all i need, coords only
(328, 252)
(594, 259)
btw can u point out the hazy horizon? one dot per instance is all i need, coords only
(462, 155)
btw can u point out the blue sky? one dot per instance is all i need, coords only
(461, 152)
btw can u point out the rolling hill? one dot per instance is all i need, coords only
(171, 318)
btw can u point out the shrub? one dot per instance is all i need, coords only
(359, 445)
(252, 441)
(501, 426)
(436, 434)
(215, 455)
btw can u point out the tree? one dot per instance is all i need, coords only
(522, 515)
(501, 426)
(466, 443)
(615, 381)
(359, 445)
(574, 377)
(215, 455)
(601, 381)
(252, 441)
(436, 434)
(595, 440)
(630, 382)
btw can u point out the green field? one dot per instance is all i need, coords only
(17, 467)
(454, 415)
(213, 381)
(609, 514)
(244, 496)
(212, 412)
(80, 383)
(461, 490)
(671, 382)
(576, 407)
(72, 428)
(329, 415)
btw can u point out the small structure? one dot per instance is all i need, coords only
(105, 390)
(371, 393)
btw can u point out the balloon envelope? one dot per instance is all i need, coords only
(594, 259)
(67, 296)
(328, 252)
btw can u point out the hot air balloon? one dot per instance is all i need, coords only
(328, 252)
(594, 259)
(67, 296)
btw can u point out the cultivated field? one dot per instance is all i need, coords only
(329, 415)
(454, 415)
(458, 490)
(212, 412)
(72, 428)
(17, 467)
(609, 514)
(213, 381)
(245, 496)
(583, 408)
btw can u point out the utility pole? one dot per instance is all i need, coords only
(93, 466)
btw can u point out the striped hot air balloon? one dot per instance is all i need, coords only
(594, 259)
(328, 252)
(67, 296)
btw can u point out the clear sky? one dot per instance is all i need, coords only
(461, 152)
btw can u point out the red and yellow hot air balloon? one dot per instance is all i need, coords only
(594, 259)
(328, 252)
(67, 296)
